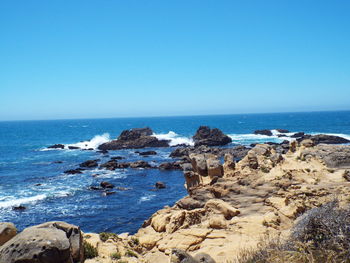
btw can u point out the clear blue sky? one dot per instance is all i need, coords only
(88, 59)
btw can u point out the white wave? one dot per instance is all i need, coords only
(93, 143)
(256, 138)
(21, 201)
(174, 138)
(146, 198)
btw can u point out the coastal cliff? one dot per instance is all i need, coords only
(232, 207)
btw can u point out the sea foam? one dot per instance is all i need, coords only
(21, 201)
(93, 143)
(174, 138)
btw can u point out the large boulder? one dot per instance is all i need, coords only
(210, 137)
(7, 231)
(52, 242)
(134, 139)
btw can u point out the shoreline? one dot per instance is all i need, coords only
(215, 215)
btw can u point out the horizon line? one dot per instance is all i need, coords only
(172, 116)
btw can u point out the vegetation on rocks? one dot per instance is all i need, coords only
(89, 250)
(321, 235)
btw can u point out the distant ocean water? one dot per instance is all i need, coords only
(29, 175)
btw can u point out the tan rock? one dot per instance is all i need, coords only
(7, 231)
(214, 168)
(160, 221)
(217, 222)
(221, 206)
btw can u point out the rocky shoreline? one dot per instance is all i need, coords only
(257, 191)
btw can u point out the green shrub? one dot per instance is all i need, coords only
(116, 255)
(130, 253)
(321, 235)
(89, 250)
(104, 236)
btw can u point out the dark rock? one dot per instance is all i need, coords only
(57, 162)
(123, 165)
(147, 153)
(160, 185)
(56, 146)
(73, 147)
(135, 133)
(37, 185)
(110, 165)
(95, 188)
(170, 166)
(327, 139)
(74, 171)
(181, 256)
(89, 164)
(210, 137)
(19, 208)
(106, 185)
(203, 258)
(117, 158)
(134, 139)
(282, 130)
(140, 164)
(298, 135)
(263, 132)
(238, 152)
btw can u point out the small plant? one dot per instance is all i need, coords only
(134, 241)
(104, 236)
(116, 255)
(265, 169)
(130, 253)
(89, 250)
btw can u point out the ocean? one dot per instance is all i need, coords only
(30, 174)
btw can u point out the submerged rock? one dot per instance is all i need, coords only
(106, 185)
(89, 164)
(74, 171)
(210, 137)
(160, 185)
(56, 146)
(146, 153)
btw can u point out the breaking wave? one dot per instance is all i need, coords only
(21, 201)
(174, 138)
(93, 143)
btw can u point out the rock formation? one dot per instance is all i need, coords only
(210, 137)
(134, 139)
(52, 242)
(231, 207)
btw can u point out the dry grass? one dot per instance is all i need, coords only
(322, 235)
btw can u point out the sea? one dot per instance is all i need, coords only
(31, 175)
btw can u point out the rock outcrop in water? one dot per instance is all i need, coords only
(134, 139)
(210, 137)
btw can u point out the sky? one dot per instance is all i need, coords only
(91, 59)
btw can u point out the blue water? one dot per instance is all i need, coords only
(24, 163)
